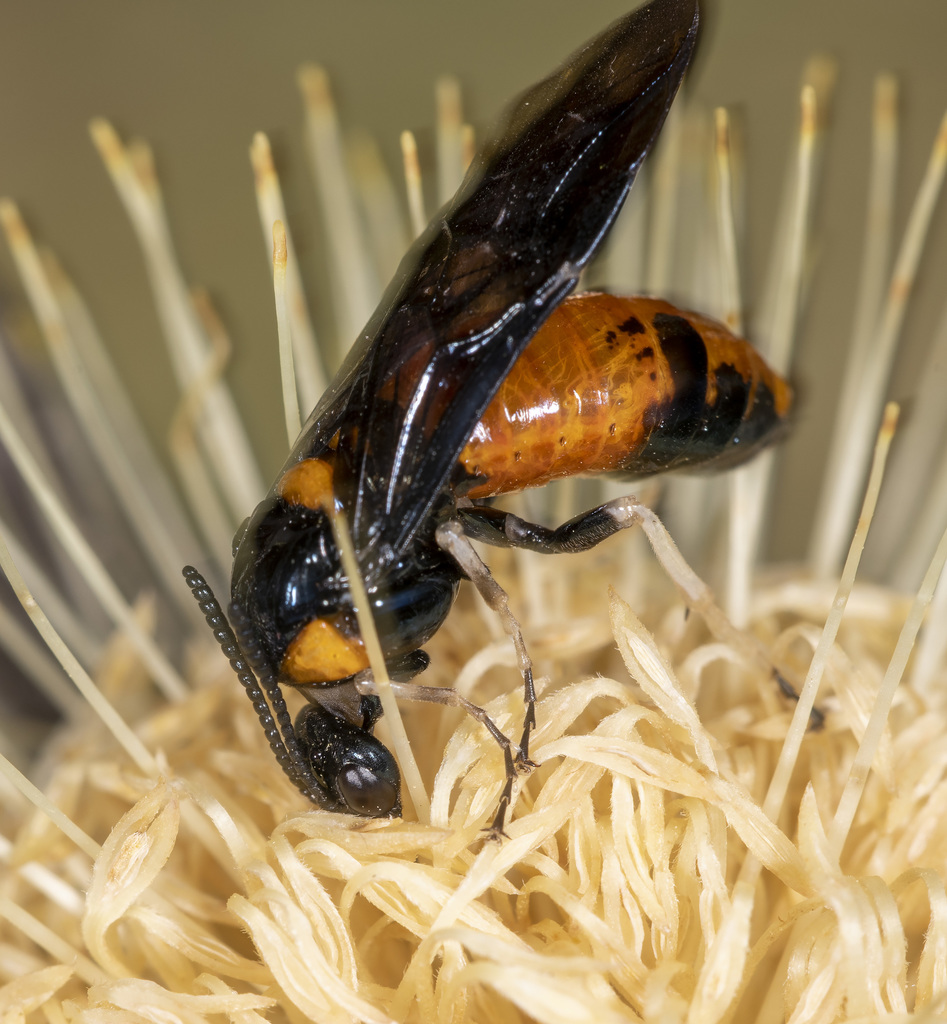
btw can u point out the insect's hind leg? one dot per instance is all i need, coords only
(503, 529)
(451, 536)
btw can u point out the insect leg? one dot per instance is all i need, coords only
(451, 537)
(451, 698)
(503, 529)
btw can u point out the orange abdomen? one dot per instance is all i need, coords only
(629, 385)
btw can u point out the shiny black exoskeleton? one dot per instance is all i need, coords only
(533, 210)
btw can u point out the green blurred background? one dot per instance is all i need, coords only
(197, 79)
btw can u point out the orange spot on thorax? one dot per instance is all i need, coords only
(308, 483)
(323, 653)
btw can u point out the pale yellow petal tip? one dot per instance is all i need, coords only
(313, 83)
(261, 159)
(107, 141)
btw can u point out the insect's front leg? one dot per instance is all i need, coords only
(451, 698)
(452, 538)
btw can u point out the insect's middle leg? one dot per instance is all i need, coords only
(493, 526)
(451, 537)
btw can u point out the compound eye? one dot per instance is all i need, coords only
(366, 793)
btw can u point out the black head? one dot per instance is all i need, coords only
(352, 767)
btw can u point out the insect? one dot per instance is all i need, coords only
(477, 376)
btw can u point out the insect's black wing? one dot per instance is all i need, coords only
(489, 269)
